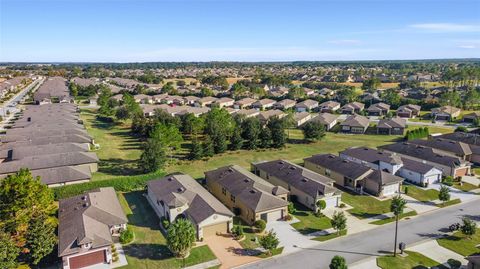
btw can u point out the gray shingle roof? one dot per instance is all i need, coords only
(392, 123)
(452, 146)
(356, 121)
(344, 167)
(372, 155)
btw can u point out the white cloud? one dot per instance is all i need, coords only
(345, 42)
(446, 27)
(467, 46)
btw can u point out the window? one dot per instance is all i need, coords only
(224, 191)
(232, 198)
(328, 172)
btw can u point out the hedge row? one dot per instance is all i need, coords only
(123, 184)
(418, 133)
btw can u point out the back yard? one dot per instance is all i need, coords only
(149, 249)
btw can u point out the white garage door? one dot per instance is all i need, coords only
(331, 201)
(272, 216)
(390, 189)
(432, 179)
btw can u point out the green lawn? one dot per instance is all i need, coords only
(149, 249)
(309, 223)
(461, 244)
(327, 237)
(449, 203)
(365, 206)
(392, 219)
(421, 194)
(249, 242)
(413, 260)
(119, 150)
(465, 186)
(295, 151)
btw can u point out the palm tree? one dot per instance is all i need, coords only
(180, 237)
(397, 206)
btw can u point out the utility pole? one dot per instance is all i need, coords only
(396, 225)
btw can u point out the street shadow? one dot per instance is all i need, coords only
(119, 167)
(142, 214)
(147, 251)
(342, 251)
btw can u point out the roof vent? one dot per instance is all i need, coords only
(181, 189)
(85, 205)
(292, 168)
(246, 180)
(280, 162)
(331, 156)
(253, 191)
(304, 180)
(84, 198)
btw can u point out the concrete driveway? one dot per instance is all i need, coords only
(418, 206)
(455, 193)
(289, 237)
(228, 251)
(434, 251)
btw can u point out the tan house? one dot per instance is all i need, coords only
(265, 116)
(263, 104)
(244, 103)
(301, 118)
(328, 120)
(352, 108)
(248, 113)
(329, 107)
(87, 225)
(247, 195)
(284, 104)
(205, 101)
(307, 105)
(305, 186)
(355, 124)
(224, 102)
(181, 196)
(445, 113)
(408, 111)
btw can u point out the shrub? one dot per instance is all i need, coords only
(454, 264)
(123, 184)
(461, 129)
(288, 217)
(115, 259)
(448, 181)
(126, 236)
(291, 208)
(269, 242)
(165, 223)
(406, 190)
(342, 205)
(260, 225)
(237, 231)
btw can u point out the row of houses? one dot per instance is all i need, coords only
(53, 89)
(51, 141)
(12, 85)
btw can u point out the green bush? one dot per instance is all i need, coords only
(260, 225)
(123, 184)
(126, 236)
(406, 190)
(291, 208)
(237, 231)
(165, 223)
(454, 264)
(448, 181)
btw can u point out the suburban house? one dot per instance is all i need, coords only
(460, 149)
(263, 104)
(467, 138)
(301, 117)
(355, 124)
(305, 186)
(87, 225)
(248, 113)
(224, 102)
(473, 261)
(247, 195)
(328, 120)
(143, 99)
(244, 103)
(449, 165)
(354, 176)
(378, 109)
(393, 126)
(285, 104)
(471, 117)
(352, 108)
(190, 100)
(307, 105)
(408, 111)
(181, 196)
(445, 113)
(329, 107)
(205, 101)
(418, 172)
(264, 116)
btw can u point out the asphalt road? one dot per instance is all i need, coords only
(374, 242)
(7, 106)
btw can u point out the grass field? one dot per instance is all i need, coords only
(119, 150)
(421, 194)
(365, 206)
(309, 223)
(461, 244)
(465, 186)
(149, 249)
(413, 260)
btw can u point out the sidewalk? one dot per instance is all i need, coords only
(434, 251)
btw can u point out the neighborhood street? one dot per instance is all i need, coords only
(374, 242)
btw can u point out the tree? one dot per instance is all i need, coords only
(321, 205)
(338, 262)
(371, 84)
(469, 227)
(196, 152)
(180, 237)
(129, 109)
(251, 130)
(219, 143)
(153, 157)
(339, 221)
(397, 206)
(40, 238)
(236, 141)
(450, 98)
(8, 251)
(391, 96)
(169, 88)
(207, 147)
(22, 196)
(168, 135)
(269, 241)
(444, 194)
(192, 125)
(277, 130)
(219, 124)
(204, 92)
(313, 130)
(265, 138)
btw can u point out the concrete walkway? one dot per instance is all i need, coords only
(434, 251)
(455, 193)
(474, 180)
(354, 224)
(290, 239)
(418, 206)
(369, 263)
(205, 265)
(122, 259)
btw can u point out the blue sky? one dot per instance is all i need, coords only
(237, 30)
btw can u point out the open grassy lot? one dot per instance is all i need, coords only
(461, 244)
(119, 150)
(365, 206)
(309, 223)
(149, 249)
(421, 194)
(295, 151)
(413, 260)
